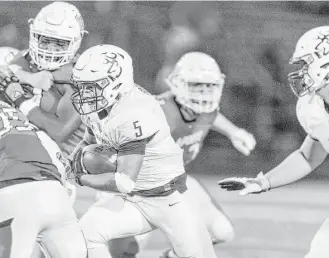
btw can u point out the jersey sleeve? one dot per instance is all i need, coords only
(139, 124)
(312, 116)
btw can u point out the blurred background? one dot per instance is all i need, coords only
(252, 42)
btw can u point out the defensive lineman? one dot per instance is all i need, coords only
(33, 202)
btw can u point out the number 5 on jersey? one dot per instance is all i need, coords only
(138, 129)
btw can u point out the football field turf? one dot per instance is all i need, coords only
(280, 223)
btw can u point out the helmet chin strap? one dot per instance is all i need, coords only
(187, 114)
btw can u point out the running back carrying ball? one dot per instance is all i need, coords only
(99, 159)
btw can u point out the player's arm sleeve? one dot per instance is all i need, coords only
(224, 126)
(298, 164)
(133, 136)
(58, 126)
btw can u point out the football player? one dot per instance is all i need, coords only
(33, 202)
(150, 178)
(45, 70)
(310, 84)
(55, 37)
(191, 109)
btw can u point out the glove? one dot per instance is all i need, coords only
(10, 86)
(243, 141)
(246, 185)
(76, 165)
(14, 92)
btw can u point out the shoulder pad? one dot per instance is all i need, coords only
(311, 113)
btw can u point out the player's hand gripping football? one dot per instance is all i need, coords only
(243, 141)
(246, 185)
(76, 166)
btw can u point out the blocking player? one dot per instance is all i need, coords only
(310, 84)
(150, 177)
(33, 202)
(191, 109)
(55, 37)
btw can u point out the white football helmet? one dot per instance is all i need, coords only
(101, 75)
(312, 56)
(55, 35)
(197, 82)
(7, 54)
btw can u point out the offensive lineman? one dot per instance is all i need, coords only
(33, 202)
(310, 85)
(191, 109)
(150, 176)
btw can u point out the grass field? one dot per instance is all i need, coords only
(280, 223)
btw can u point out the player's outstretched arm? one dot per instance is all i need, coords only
(243, 141)
(58, 126)
(296, 166)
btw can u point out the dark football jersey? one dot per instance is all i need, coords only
(189, 135)
(25, 152)
(50, 100)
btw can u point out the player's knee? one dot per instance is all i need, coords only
(222, 233)
(54, 243)
(219, 226)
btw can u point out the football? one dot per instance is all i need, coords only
(99, 159)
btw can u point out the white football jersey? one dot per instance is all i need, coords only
(138, 116)
(314, 118)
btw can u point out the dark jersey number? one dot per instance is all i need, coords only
(137, 127)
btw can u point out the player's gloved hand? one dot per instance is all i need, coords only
(10, 87)
(6, 77)
(246, 185)
(76, 166)
(243, 141)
